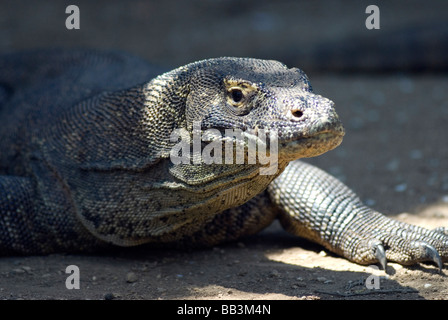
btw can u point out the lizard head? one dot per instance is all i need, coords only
(267, 101)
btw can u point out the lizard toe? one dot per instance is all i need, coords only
(368, 251)
(428, 253)
(413, 251)
(402, 245)
(379, 253)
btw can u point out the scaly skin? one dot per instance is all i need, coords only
(85, 162)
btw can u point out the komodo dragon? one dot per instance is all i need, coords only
(85, 159)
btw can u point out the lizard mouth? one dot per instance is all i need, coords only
(289, 144)
(310, 145)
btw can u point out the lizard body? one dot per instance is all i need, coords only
(86, 159)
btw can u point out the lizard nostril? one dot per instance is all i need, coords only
(297, 113)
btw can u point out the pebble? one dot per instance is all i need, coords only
(324, 280)
(109, 296)
(22, 269)
(427, 285)
(401, 187)
(26, 269)
(18, 270)
(131, 277)
(321, 279)
(274, 274)
(322, 253)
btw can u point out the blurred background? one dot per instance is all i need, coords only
(390, 85)
(316, 35)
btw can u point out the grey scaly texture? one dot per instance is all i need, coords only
(85, 159)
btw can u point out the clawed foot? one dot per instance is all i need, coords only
(390, 240)
(424, 252)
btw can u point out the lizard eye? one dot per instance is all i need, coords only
(236, 95)
(240, 96)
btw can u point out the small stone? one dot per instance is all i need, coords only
(18, 270)
(274, 274)
(324, 280)
(401, 187)
(309, 298)
(131, 277)
(26, 269)
(109, 296)
(427, 285)
(321, 279)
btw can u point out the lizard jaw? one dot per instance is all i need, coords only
(310, 146)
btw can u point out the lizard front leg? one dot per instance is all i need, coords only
(234, 223)
(317, 206)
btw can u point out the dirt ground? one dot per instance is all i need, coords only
(394, 155)
(270, 266)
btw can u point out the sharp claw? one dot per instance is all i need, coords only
(432, 254)
(380, 254)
